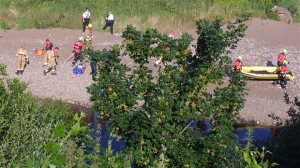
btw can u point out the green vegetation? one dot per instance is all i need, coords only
(285, 147)
(153, 114)
(42, 134)
(163, 15)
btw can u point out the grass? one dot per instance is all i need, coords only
(161, 14)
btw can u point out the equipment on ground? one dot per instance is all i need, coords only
(265, 72)
(39, 52)
(79, 69)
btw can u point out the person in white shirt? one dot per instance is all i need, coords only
(109, 22)
(85, 19)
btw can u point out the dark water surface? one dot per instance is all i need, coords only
(259, 133)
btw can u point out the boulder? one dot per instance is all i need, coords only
(283, 13)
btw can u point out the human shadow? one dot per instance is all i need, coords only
(270, 63)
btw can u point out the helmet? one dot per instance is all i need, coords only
(239, 58)
(284, 51)
(285, 62)
(90, 25)
(81, 38)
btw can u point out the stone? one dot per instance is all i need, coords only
(283, 13)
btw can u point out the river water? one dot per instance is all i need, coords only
(259, 133)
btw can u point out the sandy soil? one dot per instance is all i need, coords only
(264, 40)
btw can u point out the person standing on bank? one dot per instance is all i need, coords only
(22, 55)
(85, 19)
(109, 22)
(48, 48)
(78, 47)
(53, 55)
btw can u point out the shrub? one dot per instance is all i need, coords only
(153, 114)
(4, 25)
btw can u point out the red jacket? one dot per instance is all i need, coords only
(78, 47)
(283, 69)
(237, 64)
(48, 45)
(280, 57)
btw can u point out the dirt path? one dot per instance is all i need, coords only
(264, 40)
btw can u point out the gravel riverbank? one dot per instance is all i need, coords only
(264, 40)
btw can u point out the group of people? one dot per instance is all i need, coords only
(281, 62)
(109, 20)
(50, 53)
(50, 58)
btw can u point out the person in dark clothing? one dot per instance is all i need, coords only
(85, 19)
(109, 22)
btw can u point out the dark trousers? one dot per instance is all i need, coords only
(94, 70)
(85, 23)
(283, 80)
(279, 63)
(76, 58)
(110, 23)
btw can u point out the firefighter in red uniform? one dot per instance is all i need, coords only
(281, 57)
(237, 65)
(78, 46)
(283, 71)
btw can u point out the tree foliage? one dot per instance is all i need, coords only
(285, 147)
(153, 110)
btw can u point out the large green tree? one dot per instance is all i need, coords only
(153, 110)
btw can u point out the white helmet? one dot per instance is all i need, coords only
(240, 58)
(81, 38)
(284, 51)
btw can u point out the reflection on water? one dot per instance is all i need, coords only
(117, 145)
(259, 134)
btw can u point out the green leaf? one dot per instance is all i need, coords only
(52, 166)
(75, 129)
(31, 164)
(274, 164)
(76, 117)
(58, 160)
(59, 131)
(52, 147)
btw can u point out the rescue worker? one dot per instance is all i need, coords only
(237, 65)
(88, 36)
(85, 19)
(109, 22)
(22, 55)
(89, 31)
(282, 74)
(48, 47)
(281, 57)
(53, 56)
(78, 46)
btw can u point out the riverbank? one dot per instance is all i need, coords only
(264, 40)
